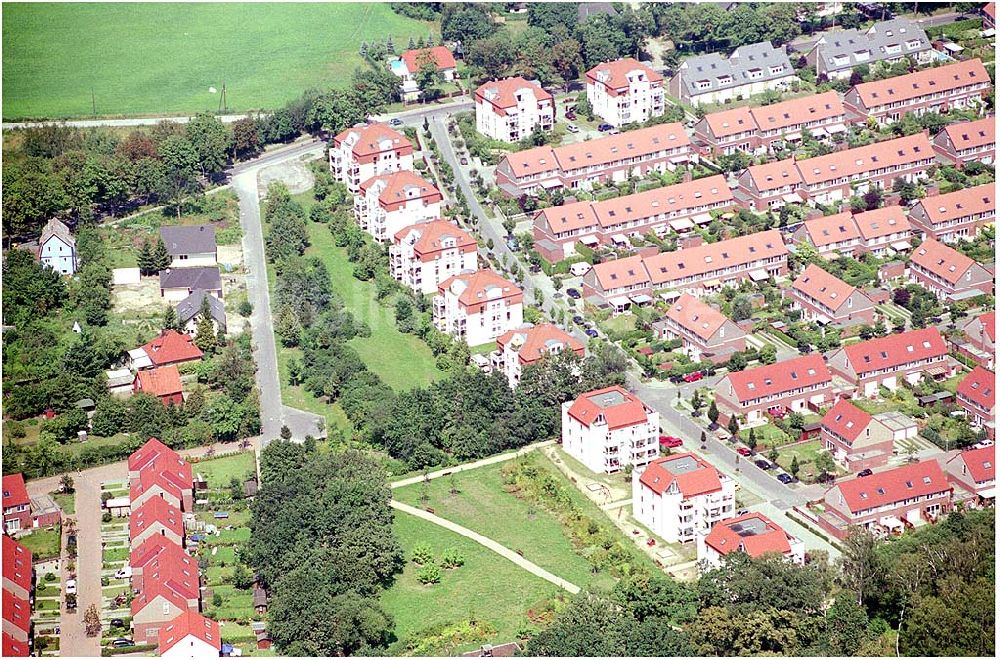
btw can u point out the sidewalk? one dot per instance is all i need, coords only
(499, 458)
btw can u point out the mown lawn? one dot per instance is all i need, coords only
(768, 436)
(806, 453)
(66, 502)
(43, 543)
(487, 587)
(65, 59)
(218, 472)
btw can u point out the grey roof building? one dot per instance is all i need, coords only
(206, 278)
(190, 307)
(712, 78)
(189, 239)
(837, 53)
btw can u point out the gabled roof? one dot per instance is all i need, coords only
(152, 511)
(989, 324)
(148, 453)
(532, 161)
(630, 271)
(873, 44)
(972, 134)
(16, 563)
(981, 463)
(824, 287)
(882, 222)
(935, 80)
(569, 217)
(504, 93)
(724, 73)
(830, 229)
(200, 277)
(730, 122)
(619, 408)
(696, 261)
(778, 174)
(768, 379)
(630, 144)
(666, 201)
(189, 239)
(372, 139)
(533, 343)
(164, 474)
(440, 55)
(161, 381)
(398, 187)
(172, 346)
(752, 533)
(177, 571)
(794, 112)
(980, 388)
(14, 491)
(428, 238)
(16, 611)
(153, 547)
(56, 228)
(190, 307)
(12, 648)
(479, 287)
(692, 474)
(887, 154)
(959, 204)
(616, 75)
(907, 482)
(189, 623)
(692, 314)
(846, 420)
(945, 262)
(894, 351)
(151, 589)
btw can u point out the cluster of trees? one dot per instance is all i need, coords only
(709, 27)
(286, 223)
(322, 544)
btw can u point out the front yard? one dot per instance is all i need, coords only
(44, 543)
(764, 437)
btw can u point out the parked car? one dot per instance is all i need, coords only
(512, 244)
(573, 128)
(983, 444)
(744, 451)
(676, 380)
(605, 127)
(535, 268)
(122, 573)
(71, 539)
(117, 623)
(670, 441)
(763, 464)
(786, 478)
(714, 426)
(395, 121)
(70, 587)
(614, 131)
(693, 377)
(463, 160)
(122, 642)
(696, 413)
(578, 320)
(590, 332)
(557, 295)
(573, 293)
(867, 472)
(570, 113)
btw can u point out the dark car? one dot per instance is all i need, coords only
(605, 127)
(590, 332)
(535, 269)
(762, 464)
(117, 623)
(570, 113)
(122, 642)
(714, 426)
(463, 160)
(71, 539)
(395, 121)
(578, 320)
(677, 380)
(867, 472)
(785, 478)
(696, 413)
(573, 293)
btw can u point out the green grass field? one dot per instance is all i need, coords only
(218, 472)
(66, 502)
(68, 60)
(43, 543)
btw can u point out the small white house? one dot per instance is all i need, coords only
(190, 245)
(190, 636)
(57, 248)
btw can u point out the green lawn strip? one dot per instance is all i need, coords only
(218, 472)
(484, 349)
(215, 575)
(952, 383)
(66, 502)
(43, 543)
(237, 518)
(224, 555)
(806, 454)
(236, 604)
(486, 587)
(229, 536)
(111, 555)
(230, 631)
(768, 435)
(47, 605)
(50, 589)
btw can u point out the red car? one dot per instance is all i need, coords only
(670, 441)
(743, 451)
(693, 377)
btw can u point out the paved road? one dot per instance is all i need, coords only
(133, 121)
(499, 458)
(487, 543)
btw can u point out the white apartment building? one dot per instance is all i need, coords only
(424, 255)
(681, 496)
(510, 109)
(477, 307)
(525, 346)
(625, 91)
(609, 429)
(359, 153)
(388, 203)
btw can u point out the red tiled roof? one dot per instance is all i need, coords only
(152, 548)
(695, 261)
(619, 407)
(692, 314)
(935, 80)
(725, 537)
(374, 139)
(802, 110)
(155, 510)
(887, 154)
(162, 381)
(14, 491)
(16, 563)
(972, 134)
(615, 75)
(882, 222)
(189, 623)
(896, 350)
(824, 287)
(160, 475)
(979, 387)
(981, 463)
(629, 271)
(479, 287)
(532, 344)
(769, 379)
(730, 122)
(12, 648)
(989, 324)
(152, 589)
(640, 142)
(903, 483)
(148, 453)
(945, 262)
(401, 186)
(961, 203)
(846, 420)
(177, 570)
(440, 55)
(172, 346)
(990, 9)
(429, 237)
(667, 201)
(532, 161)
(778, 174)
(830, 229)
(569, 217)
(16, 611)
(502, 94)
(704, 479)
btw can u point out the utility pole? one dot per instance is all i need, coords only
(93, 101)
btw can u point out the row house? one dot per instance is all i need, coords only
(408, 65)
(969, 141)
(154, 552)
(675, 208)
(751, 69)
(855, 439)
(388, 203)
(18, 595)
(827, 299)
(989, 13)
(681, 497)
(18, 573)
(888, 361)
(625, 91)
(938, 89)
(620, 278)
(979, 339)
(525, 346)
(705, 332)
(16, 504)
(753, 534)
(947, 273)
(190, 636)
(728, 131)
(610, 429)
(974, 471)
(798, 384)
(610, 159)
(837, 53)
(885, 502)
(362, 152)
(161, 601)
(843, 234)
(477, 307)
(771, 185)
(956, 215)
(424, 255)
(832, 235)
(158, 468)
(977, 396)
(510, 109)
(155, 517)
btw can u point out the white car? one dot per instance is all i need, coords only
(124, 572)
(983, 444)
(573, 128)
(70, 587)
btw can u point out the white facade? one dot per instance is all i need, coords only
(711, 558)
(194, 260)
(604, 449)
(490, 311)
(642, 100)
(511, 123)
(383, 220)
(59, 255)
(191, 647)
(391, 153)
(423, 273)
(676, 517)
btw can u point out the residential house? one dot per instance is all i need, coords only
(705, 332)
(156, 469)
(162, 382)
(617, 282)
(681, 496)
(16, 504)
(190, 637)
(388, 203)
(161, 601)
(883, 231)
(176, 284)
(938, 89)
(751, 69)
(189, 312)
(827, 299)
(887, 361)
(510, 109)
(12, 648)
(119, 381)
(610, 429)
(979, 341)
(527, 345)
(610, 159)
(989, 12)
(820, 115)
(625, 91)
(969, 141)
(18, 594)
(359, 153)
(947, 273)
(727, 132)
(753, 534)
(956, 215)
(190, 245)
(18, 574)
(836, 53)
(155, 517)
(408, 65)
(18, 628)
(771, 185)
(477, 307)
(147, 554)
(424, 255)
(855, 439)
(974, 471)
(799, 384)
(149, 453)
(832, 235)
(171, 347)
(57, 248)
(976, 394)
(885, 502)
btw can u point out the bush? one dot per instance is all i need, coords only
(422, 554)
(452, 558)
(106, 517)
(245, 309)
(429, 574)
